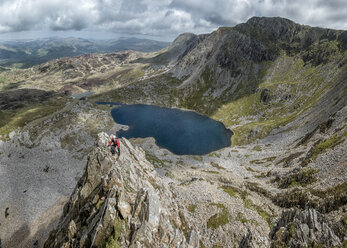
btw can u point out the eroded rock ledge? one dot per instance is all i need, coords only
(308, 228)
(120, 201)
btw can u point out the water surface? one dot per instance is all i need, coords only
(181, 132)
(78, 96)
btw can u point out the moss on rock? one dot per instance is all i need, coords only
(220, 218)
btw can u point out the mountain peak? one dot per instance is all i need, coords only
(183, 39)
(269, 20)
(125, 196)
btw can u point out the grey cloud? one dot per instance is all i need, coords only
(164, 17)
(333, 5)
(62, 24)
(38, 14)
(135, 7)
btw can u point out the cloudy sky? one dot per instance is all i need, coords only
(158, 19)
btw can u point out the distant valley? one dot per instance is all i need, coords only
(26, 53)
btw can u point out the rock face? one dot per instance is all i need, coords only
(303, 229)
(232, 61)
(265, 96)
(122, 202)
(180, 47)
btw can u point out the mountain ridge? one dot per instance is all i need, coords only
(27, 53)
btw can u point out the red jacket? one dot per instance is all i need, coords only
(115, 142)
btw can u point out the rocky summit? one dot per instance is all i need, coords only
(118, 202)
(278, 85)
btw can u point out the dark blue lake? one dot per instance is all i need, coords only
(181, 132)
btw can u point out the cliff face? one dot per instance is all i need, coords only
(306, 228)
(120, 202)
(234, 62)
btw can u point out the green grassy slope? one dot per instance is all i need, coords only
(291, 65)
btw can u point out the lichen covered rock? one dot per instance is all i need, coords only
(306, 228)
(119, 202)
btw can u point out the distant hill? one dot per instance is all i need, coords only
(26, 53)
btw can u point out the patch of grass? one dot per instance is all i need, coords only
(132, 75)
(241, 218)
(262, 175)
(169, 174)
(287, 160)
(233, 191)
(324, 201)
(215, 165)
(248, 203)
(266, 216)
(180, 162)
(328, 144)
(197, 99)
(296, 76)
(201, 244)
(153, 182)
(251, 169)
(230, 192)
(220, 218)
(214, 154)
(114, 240)
(217, 245)
(337, 191)
(257, 148)
(211, 172)
(99, 203)
(269, 159)
(298, 177)
(184, 225)
(191, 208)
(257, 161)
(292, 229)
(157, 163)
(197, 158)
(11, 120)
(256, 188)
(295, 197)
(322, 51)
(303, 177)
(218, 205)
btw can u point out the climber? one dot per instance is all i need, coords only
(113, 143)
